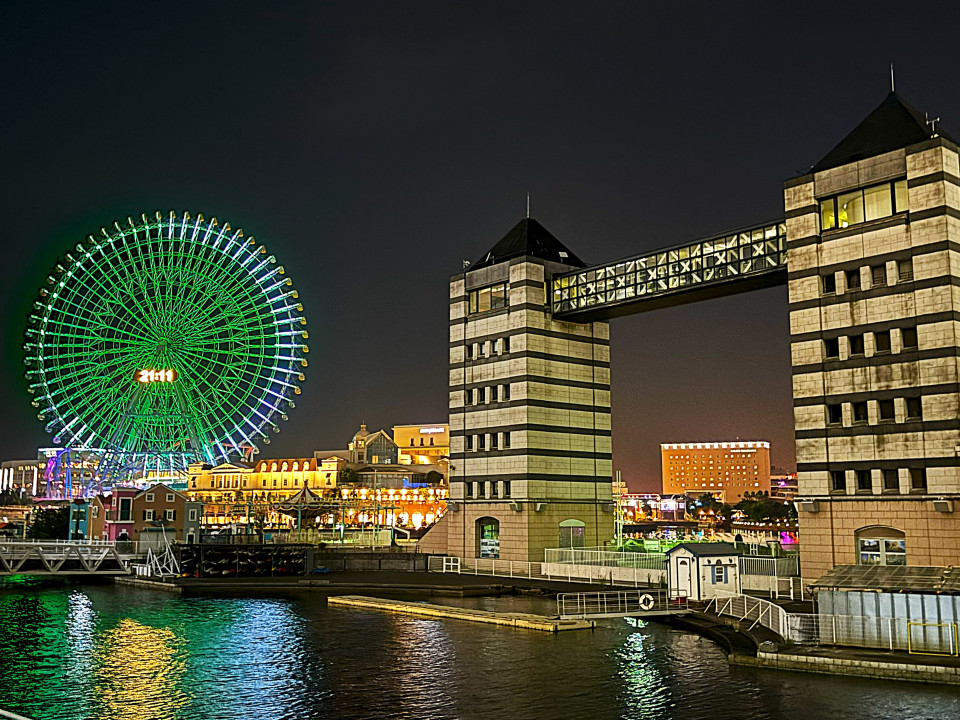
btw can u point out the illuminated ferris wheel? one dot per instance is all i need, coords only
(164, 341)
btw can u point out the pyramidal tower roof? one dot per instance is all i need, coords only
(892, 125)
(528, 238)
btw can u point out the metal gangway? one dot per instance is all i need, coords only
(64, 557)
(633, 603)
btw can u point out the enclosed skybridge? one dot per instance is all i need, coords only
(748, 259)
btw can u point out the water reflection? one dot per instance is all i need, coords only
(108, 652)
(138, 670)
(644, 693)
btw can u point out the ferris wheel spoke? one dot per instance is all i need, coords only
(167, 290)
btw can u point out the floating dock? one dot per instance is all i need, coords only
(523, 621)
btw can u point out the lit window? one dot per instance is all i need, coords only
(488, 298)
(881, 546)
(857, 206)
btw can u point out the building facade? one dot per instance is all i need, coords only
(21, 476)
(873, 238)
(422, 444)
(163, 515)
(726, 470)
(530, 445)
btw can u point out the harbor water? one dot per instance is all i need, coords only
(118, 653)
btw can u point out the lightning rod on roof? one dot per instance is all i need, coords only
(893, 87)
(528, 206)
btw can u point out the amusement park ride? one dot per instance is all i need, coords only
(158, 343)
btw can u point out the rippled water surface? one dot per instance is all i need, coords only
(116, 653)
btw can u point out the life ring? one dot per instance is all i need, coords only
(647, 602)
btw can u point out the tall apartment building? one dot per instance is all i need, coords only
(726, 470)
(530, 446)
(873, 242)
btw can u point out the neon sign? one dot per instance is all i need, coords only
(156, 376)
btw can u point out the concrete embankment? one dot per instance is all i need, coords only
(852, 661)
(517, 620)
(744, 648)
(149, 584)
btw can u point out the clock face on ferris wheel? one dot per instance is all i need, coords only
(168, 334)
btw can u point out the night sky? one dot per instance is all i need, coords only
(373, 146)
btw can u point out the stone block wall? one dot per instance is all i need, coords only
(853, 352)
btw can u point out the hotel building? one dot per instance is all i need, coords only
(726, 470)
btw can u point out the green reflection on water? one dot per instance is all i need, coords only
(115, 654)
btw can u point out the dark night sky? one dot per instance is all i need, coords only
(372, 146)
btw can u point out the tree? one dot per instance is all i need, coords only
(9, 497)
(434, 478)
(348, 476)
(50, 524)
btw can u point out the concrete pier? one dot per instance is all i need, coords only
(524, 621)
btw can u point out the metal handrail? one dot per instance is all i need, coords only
(12, 716)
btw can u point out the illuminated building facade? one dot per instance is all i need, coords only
(726, 470)
(372, 447)
(783, 486)
(530, 447)
(422, 444)
(162, 514)
(873, 235)
(22, 476)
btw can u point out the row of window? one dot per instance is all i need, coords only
(859, 412)
(853, 279)
(495, 441)
(864, 204)
(856, 344)
(493, 297)
(486, 395)
(890, 480)
(488, 348)
(421, 442)
(488, 489)
(169, 499)
(168, 515)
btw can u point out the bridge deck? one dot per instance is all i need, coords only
(726, 264)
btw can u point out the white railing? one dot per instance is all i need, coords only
(788, 566)
(586, 574)
(485, 566)
(752, 611)
(604, 558)
(618, 604)
(12, 716)
(123, 547)
(55, 558)
(885, 633)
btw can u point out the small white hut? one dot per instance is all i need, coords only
(700, 571)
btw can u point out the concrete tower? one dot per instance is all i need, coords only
(873, 243)
(530, 445)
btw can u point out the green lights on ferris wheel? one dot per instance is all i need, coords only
(122, 317)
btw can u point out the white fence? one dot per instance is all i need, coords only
(916, 636)
(752, 611)
(635, 603)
